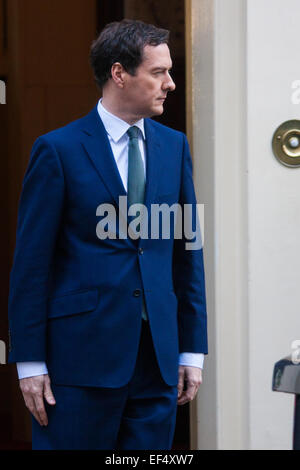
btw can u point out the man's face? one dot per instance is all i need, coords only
(146, 91)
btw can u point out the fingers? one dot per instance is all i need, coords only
(34, 389)
(180, 381)
(193, 378)
(48, 392)
(29, 402)
(188, 394)
(40, 409)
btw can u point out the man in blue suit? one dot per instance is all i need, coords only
(116, 322)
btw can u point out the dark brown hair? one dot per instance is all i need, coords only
(123, 42)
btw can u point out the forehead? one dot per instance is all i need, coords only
(157, 56)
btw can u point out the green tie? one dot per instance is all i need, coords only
(136, 179)
(136, 176)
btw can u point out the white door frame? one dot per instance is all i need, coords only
(216, 118)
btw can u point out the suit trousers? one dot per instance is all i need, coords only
(138, 416)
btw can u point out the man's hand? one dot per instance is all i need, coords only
(34, 390)
(193, 378)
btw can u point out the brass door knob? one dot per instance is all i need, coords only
(286, 143)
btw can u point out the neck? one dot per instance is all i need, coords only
(116, 107)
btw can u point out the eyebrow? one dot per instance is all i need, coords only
(161, 68)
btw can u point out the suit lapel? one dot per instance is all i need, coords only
(153, 159)
(97, 146)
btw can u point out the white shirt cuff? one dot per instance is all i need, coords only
(191, 359)
(30, 369)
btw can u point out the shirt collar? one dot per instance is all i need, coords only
(114, 126)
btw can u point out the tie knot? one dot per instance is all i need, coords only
(133, 132)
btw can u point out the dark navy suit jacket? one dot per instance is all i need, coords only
(75, 301)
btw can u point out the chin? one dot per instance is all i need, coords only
(158, 110)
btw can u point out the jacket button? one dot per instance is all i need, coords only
(137, 293)
(141, 251)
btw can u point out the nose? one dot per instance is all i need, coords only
(169, 84)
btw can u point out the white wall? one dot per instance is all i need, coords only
(274, 215)
(245, 58)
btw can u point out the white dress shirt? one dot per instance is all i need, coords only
(116, 130)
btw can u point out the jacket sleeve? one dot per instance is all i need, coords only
(188, 267)
(39, 214)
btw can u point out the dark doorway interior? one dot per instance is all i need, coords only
(43, 59)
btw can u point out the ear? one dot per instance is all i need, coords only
(118, 74)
